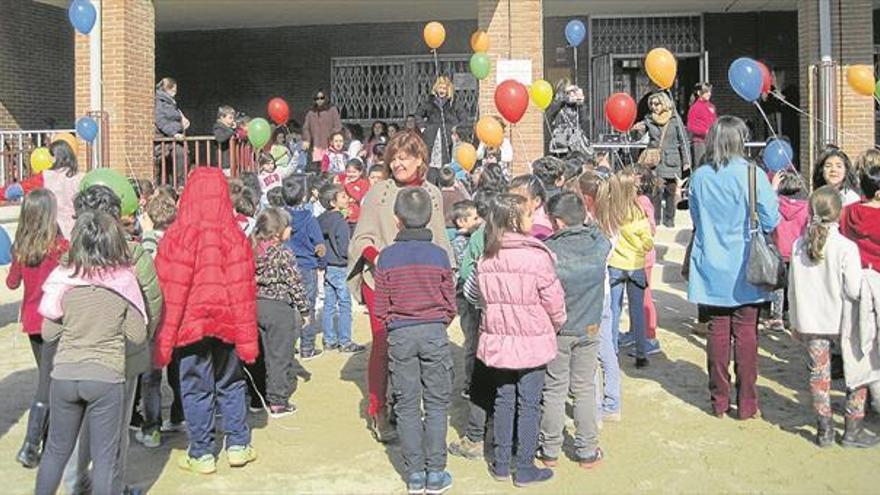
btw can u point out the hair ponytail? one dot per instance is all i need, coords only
(825, 206)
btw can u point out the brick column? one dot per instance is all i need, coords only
(128, 66)
(852, 34)
(525, 27)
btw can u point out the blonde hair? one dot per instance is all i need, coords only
(663, 98)
(614, 199)
(444, 81)
(825, 206)
(869, 158)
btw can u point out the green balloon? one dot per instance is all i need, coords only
(480, 65)
(877, 90)
(259, 132)
(117, 183)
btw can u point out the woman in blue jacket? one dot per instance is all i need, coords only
(719, 207)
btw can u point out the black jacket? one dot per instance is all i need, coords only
(337, 234)
(222, 135)
(429, 114)
(168, 119)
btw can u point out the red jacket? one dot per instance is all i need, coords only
(33, 278)
(356, 191)
(701, 116)
(861, 224)
(207, 272)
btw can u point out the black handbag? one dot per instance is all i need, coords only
(765, 267)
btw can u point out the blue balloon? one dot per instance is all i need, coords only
(778, 155)
(746, 79)
(575, 32)
(82, 15)
(87, 128)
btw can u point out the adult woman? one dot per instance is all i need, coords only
(438, 115)
(833, 168)
(568, 116)
(666, 133)
(701, 116)
(321, 121)
(169, 122)
(719, 206)
(407, 156)
(63, 180)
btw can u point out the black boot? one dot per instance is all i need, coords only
(857, 437)
(32, 448)
(824, 432)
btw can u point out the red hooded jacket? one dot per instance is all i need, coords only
(207, 272)
(861, 224)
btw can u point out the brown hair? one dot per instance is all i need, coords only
(271, 223)
(166, 84)
(37, 227)
(825, 206)
(506, 212)
(869, 158)
(410, 142)
(98, 244)
(162, 211)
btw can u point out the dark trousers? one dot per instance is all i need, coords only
(517, 397)
(420, 363)
(210, 373)
(469, 319)
(44, 354)
(173, 371)
(310, 331)
(482, 403)
(740, 323)
(277, 322)
(73, 403)
(666, 197)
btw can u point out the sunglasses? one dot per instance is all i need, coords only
(320, 98)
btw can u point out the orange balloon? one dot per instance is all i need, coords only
(466, 156)
(480, 41)
(67, 138)
(861, 79)
(489, 131)
(661, 67)
(434, 35)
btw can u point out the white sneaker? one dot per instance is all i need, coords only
(151, 441)
(169, 427)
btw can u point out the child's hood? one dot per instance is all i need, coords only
(863, 221)
(205, 199)
(793, 209)
(120, 280)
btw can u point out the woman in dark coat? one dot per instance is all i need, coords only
(170, 122)
(568, 118)
(438, 115)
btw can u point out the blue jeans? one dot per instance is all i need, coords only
(517, 398)
(337, 302)
(310, 280)
(608, 393)
(210, 373)
(634, 282)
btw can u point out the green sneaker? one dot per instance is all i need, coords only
(205, 464)
(240, 455)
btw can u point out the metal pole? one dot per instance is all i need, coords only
(827, 84)
(96, 81)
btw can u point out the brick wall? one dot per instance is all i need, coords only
(36, 57)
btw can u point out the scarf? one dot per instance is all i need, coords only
(662, 118)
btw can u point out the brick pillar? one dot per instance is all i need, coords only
(128, 66)
(525, 26)
(852, 34)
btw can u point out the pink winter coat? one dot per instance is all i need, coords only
(524, 305)
(794, 215)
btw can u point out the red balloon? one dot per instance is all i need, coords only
(620, 110)
(766, 79)
(512, 100)
(278, 110)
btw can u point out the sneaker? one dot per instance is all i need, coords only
(331, 347)
(205, 464)
(169, 427)
(653, 348)
(137, 421)
(592, 460)
(642, 362)
(256, 408)
(240, 455)
(281, 410)
(545, 459)
(466, 448)
(415, 483)
(351, 348)
(499, 473)
(776, 326)
(466, 394)
(626, 339)
(438, 482)
(531, 475)
(149, 440)
(311, 354)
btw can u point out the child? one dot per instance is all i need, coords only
(524, 307)
(581, 251)
(307, 243)
(206, 268)
(244, 201)
(271, 176)
(794, 214)
(224, 129)
(550, 171)
(466, 221)
(94, 309)
(356, 186)
(452, 192)
(279, 150)
(280, 296)
(825, 275)
(626, 265)
(459, 134)
(275, 198)
(861, 221)
(531, 188)
(503, 155)
(63, 180)
(337, 300)
(415, 300)
(378, 173)
(336, 158)
(37, 250)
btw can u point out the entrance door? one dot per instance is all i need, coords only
(602, 87)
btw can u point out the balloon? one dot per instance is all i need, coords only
(745, 78)
(434, 35)
(41, 160)
(480, 41)
(777, 155)
(575, 32)
(861, 79)
(766, 78)
(541, 94)
(68, 138)
(278, 111)
(258, 131)
(489, 131)
(82, 15)
(877, 90)
(480, 65)
(620, 110)
(466, 156)
(512, 100)
(117, 183)
(87, 128)
(661, 67)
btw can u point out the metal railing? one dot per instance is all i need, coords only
(174, 159)
(16, 147)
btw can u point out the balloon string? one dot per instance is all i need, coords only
(854, 137)
(790, 159)
(575, 65)
(687, 145)
(521, 143)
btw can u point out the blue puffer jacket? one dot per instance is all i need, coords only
(581, 263)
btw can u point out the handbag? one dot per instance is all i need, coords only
(650, 157)
(765, 267)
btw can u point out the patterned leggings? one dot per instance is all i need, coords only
(820, 382)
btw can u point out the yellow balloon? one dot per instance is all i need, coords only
(68, 138)
(661, 67)
(480, 41)
(466, 156)
(541, 94)
(41, 160)
(861, 79)
(434, 34)
(489, 131)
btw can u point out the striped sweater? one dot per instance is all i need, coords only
(414, 282)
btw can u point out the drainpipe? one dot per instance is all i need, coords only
(96, 103)
(827, 83)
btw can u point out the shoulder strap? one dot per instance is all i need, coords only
(753, 207)
(663, 134)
